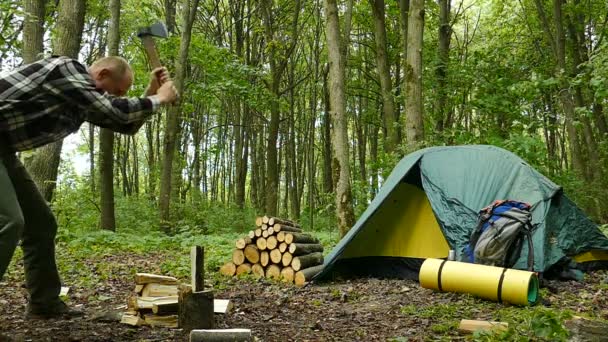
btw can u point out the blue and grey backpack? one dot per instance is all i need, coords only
(501, 230)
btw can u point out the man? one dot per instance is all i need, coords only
(41, 103)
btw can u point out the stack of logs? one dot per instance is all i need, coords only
(276, 249)
(155, 301)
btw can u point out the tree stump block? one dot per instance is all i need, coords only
(195, 309)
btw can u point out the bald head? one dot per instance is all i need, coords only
(112, 74)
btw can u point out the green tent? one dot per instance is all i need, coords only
(430, 203)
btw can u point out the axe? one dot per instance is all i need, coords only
(147, 34)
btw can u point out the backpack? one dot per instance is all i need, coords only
(500, 233)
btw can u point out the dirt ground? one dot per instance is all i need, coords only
(358, 310)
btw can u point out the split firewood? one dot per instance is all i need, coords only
(300, 238)
(306, 261)
(264, 258)
(197, 268)
(281, 236)
(298, 249)
(261, 243)
(243, 268)
(228, 269)
(276, 256)
(470, 326)
(134, 320)
(287, 274)
(164, 307)
(159, 290)
(161, 321)
(271, 242)
(138, 288)
(286, 259)
(273, 272)
(282, 247)
(238, 257)
(251, 234)
(257, 270)
(222, 306)
(258, 232)
(147, 278)
(252, 254)
(305, 275)
(274, 220)
(242, 242)
(258, 221)
(265, 234)
(285, 228)
(147, 303)
(221, 335)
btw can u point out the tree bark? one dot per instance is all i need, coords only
(44, 165)
(33, 29)
(340, 163)
(413, 75)
(443, 52)
(384, 74)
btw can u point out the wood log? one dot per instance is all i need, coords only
(197, 268)
(298, 249)
(583, 329)
(222, 306)
(164, 307)
(258, 271)
(284, 228)
(287, 274)
(283, 247)
(243, 242)
(281, 236)
(221, 335)
(195, 309)
(147, 303)
(270, 231)
(162, 321)
(271, 242)
(276, 256)
(264, 226)
(306, 261)
(228, 269)
(273, 272)
(264, 258)
(470, 326)
(258, 221)
(252, 254)
(305, 275)
(261, 243)
(265, 234)
(300, 238)
(251, 234)
(286, 259)
(243, 268)
(258, 232)
(147, 278)
(138, 288)
(265, 219)
(238, 257)
(275, 220)
(159, 290)
(133, 320)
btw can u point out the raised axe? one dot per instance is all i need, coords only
(147, 34)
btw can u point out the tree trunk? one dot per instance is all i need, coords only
(328, 184)
(443, 52)
(384, 74)
(172, 120)
(44, 165)
(170, 15)
(340, 163)
(413, 75)
(33, 29)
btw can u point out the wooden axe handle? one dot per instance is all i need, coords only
(151, 51)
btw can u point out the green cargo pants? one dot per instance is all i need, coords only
(25, 216)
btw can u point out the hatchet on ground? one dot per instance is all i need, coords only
(147, 34)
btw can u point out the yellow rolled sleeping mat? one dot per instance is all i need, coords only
(489, 282)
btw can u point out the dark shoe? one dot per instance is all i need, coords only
(55, 310)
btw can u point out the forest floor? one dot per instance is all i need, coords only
(357, 310)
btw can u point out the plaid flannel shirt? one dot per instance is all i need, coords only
(47, 100)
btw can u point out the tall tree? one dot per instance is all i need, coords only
(337, 99)
(444, 116)
(189, 10)
(413, 75)
(106, 136)
(384, 74)
(44, 164)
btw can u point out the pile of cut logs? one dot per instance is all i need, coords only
(276, 249)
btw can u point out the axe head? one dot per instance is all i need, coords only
(157, 30)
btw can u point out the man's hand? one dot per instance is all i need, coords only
(167, 93)
(158, 77)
